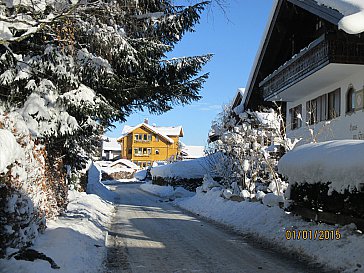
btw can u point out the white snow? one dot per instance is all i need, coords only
(126, 163)
(141, 175)
(110, 144)
(194, 168)
(339, 162)
(10, 150)
(353, 11)
(75, 241)
(166, 191)
(270, 225)
(190, 152)
(95, 186)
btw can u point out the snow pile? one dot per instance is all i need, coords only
(353, 11)
(208, 183)
(271, 223)
(166, 191)
(162, 191)
(95, 186)
(338, 162)
(75, 241)
(187, 169)
(10, 149)
(141, 175)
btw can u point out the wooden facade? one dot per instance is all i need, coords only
(143, 146)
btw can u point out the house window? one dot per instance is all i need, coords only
(334, 104)
(350, 100)
(296, 117)
(149, 137)
(156, 138)
(157, 152)
(322, 108)
(149, 150)
(316, 110)
(138, 151)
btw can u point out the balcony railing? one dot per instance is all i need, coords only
(318, 54)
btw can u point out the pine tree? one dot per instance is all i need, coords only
(68, 70)
(72, 68)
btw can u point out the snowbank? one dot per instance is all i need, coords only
(141, 175)
(187, 169)
(339, 162)
(166, 191)
(272, 223)
(95, 186)
(74, 241)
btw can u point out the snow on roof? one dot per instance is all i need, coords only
(353, 11)
(193, 151)
(125, 162)
(164, 132)
(240, 107)
(339, 162)
(171, 131)
(110, 144)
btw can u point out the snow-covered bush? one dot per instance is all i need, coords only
(30, 188)
(249, 145)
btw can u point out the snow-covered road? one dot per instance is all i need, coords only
(151, 235)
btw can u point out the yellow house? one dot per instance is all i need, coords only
(143, 144)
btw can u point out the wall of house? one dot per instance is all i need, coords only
(346, 126)
(160, 150)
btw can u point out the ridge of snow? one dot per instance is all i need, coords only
(339, 162)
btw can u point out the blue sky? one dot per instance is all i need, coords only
(234, 39)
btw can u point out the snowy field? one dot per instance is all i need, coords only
(273, 225)
(75, 241)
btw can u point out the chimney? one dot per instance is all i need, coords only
(146, 121)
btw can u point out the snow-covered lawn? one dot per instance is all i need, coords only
(272, 224)
(75, 241)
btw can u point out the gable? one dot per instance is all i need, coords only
(293, 25)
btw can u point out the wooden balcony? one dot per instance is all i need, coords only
(317, 55)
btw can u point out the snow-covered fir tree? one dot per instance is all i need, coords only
(68, 70)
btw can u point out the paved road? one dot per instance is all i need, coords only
(150, 235)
